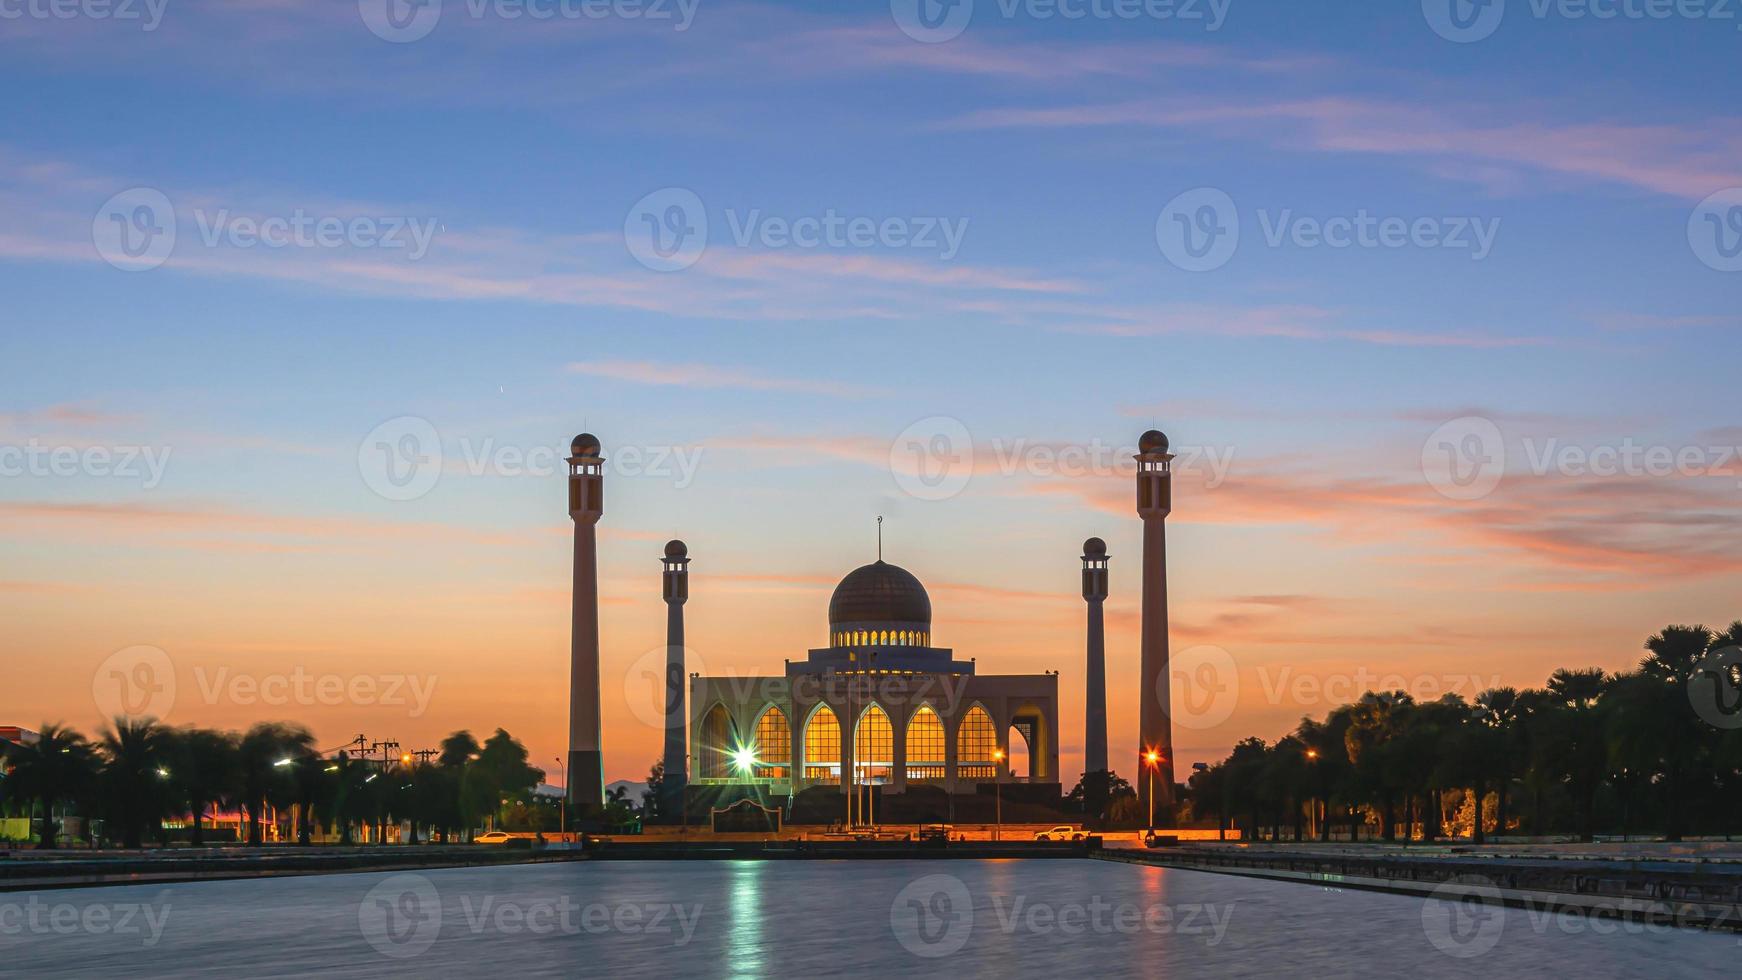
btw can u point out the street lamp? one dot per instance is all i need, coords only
(998, 793)
(562, 803)
(1154, 759)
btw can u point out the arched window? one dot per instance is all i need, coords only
(822, 747)
(1021, 751)
(874, 746)
(925, 745)
(717, 740)
(975, 740)
(773, 745)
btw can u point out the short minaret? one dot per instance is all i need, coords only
(1095, 709)
(1155, 728)
(586, 769)
(676, 565)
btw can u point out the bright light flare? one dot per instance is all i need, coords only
(744, 760)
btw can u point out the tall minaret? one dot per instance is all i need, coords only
(1095, 710)
(677, 589)
(1155, 728)
(586, 770)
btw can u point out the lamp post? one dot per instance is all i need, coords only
(562, 806)
(998, 793)
(1312, 755)
(1153, 759)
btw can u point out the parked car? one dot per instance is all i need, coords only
(934, 833)
(1061, 833)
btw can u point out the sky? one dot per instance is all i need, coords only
(304, 300)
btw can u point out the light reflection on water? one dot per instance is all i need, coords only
(1052, 918)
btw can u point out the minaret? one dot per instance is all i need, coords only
(586, 770)
(1155, 729)
(1095, 710)
(677, 589)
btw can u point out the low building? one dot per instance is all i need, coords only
(879, 725)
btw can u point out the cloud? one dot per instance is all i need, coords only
(695, 375)
(208, 526)
(1682, 161)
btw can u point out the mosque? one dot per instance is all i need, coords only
(879, 724)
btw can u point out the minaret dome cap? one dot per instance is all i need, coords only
(1094, 548)
(676, 549)
(1152, 441)
(585, 444)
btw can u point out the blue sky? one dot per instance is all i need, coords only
(1587, 145)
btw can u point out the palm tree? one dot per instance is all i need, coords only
(1497, 712)
(134, 778)
(1582, 750)
(205, 771)
(314, 793)
(1373, 743)
(59, 767)
(266, 751)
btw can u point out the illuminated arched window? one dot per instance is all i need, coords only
(773, 745)
(874, 746)
(822, 747)
(715, 760)
(975, 740)
(925, 745)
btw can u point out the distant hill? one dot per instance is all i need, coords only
(635, 789)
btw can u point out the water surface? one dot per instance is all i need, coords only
(1053, 918)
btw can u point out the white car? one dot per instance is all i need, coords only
(1061, 833)
(493, 837)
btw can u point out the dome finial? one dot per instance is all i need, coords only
(879, 537)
